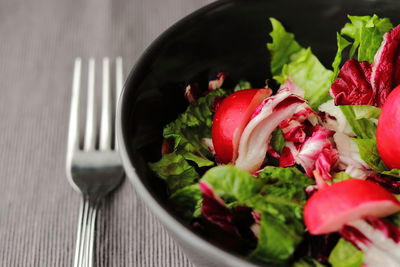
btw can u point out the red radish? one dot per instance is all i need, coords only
(231, 118)
(331, 207)
(388, 131)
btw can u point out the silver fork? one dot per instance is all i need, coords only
(94, 166)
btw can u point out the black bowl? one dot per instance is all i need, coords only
(229, 36)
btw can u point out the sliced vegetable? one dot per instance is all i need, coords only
(378, 239)
(256, 135)
(331, 207)
(231, 118)
(388, 131)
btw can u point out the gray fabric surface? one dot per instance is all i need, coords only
(38, 208)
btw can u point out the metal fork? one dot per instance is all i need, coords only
(94, 166)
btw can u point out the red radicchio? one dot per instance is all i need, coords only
(236, 221)
(294, 129)
(378, 239)
(272, 152)
(213, 209)
(315, 149)
(217, 83)
(287, 157)
(363, 83)
(389, 183)
(325, 161)
(253, 144)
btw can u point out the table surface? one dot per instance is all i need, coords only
(38, 207)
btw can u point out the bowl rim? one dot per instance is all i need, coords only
(178, 229)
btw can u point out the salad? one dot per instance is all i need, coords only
(307, 174)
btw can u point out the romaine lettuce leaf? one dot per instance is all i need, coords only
(307, 262)
(346, 255)
(188, 130)
(283, 46)
(392, 172)
(291, 61)
(242, 84)
(187, 201)
(232, 183)
(366, 112)
(369, 154)
(175, 170)
(308, 73)
(342, 43)
(277, 194)
(362, 126)
(340, 176)
(367, 34)
(277, 240)
(277, 140)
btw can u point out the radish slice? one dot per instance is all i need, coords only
(387, 134)
(231, 118)
(254, 140)
(333, 206)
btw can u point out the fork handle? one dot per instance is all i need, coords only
(85, 234)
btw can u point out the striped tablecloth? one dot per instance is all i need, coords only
(38, 209)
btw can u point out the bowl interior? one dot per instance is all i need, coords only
(228, 36)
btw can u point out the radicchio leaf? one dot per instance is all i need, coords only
(363, 83)
(253, 144)
(378, 239)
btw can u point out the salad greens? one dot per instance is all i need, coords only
(275, 196)
(290, 61)
(265, 208)
(346, 255)
(366, 33)
(187, 131)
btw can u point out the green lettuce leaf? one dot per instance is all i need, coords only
(290, 61)
(175, 170)
(395, 219)
(283, 46)
(285, 183)
(363, 127)
(187, 201)
(344, 254)
(342, 43)
(188, 130)
(178, 168)
(277, 194)
(340, 176)
(308, 73)
(277, 240)
(367, 35)
(277, 140)
(366, 112)
(369, 154)
(392, 172)
(307, 262)
(232, 183)
(242, 84)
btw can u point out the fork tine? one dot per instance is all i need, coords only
(118, 85)
(73, 132)
(90, 133)
(105, 126)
